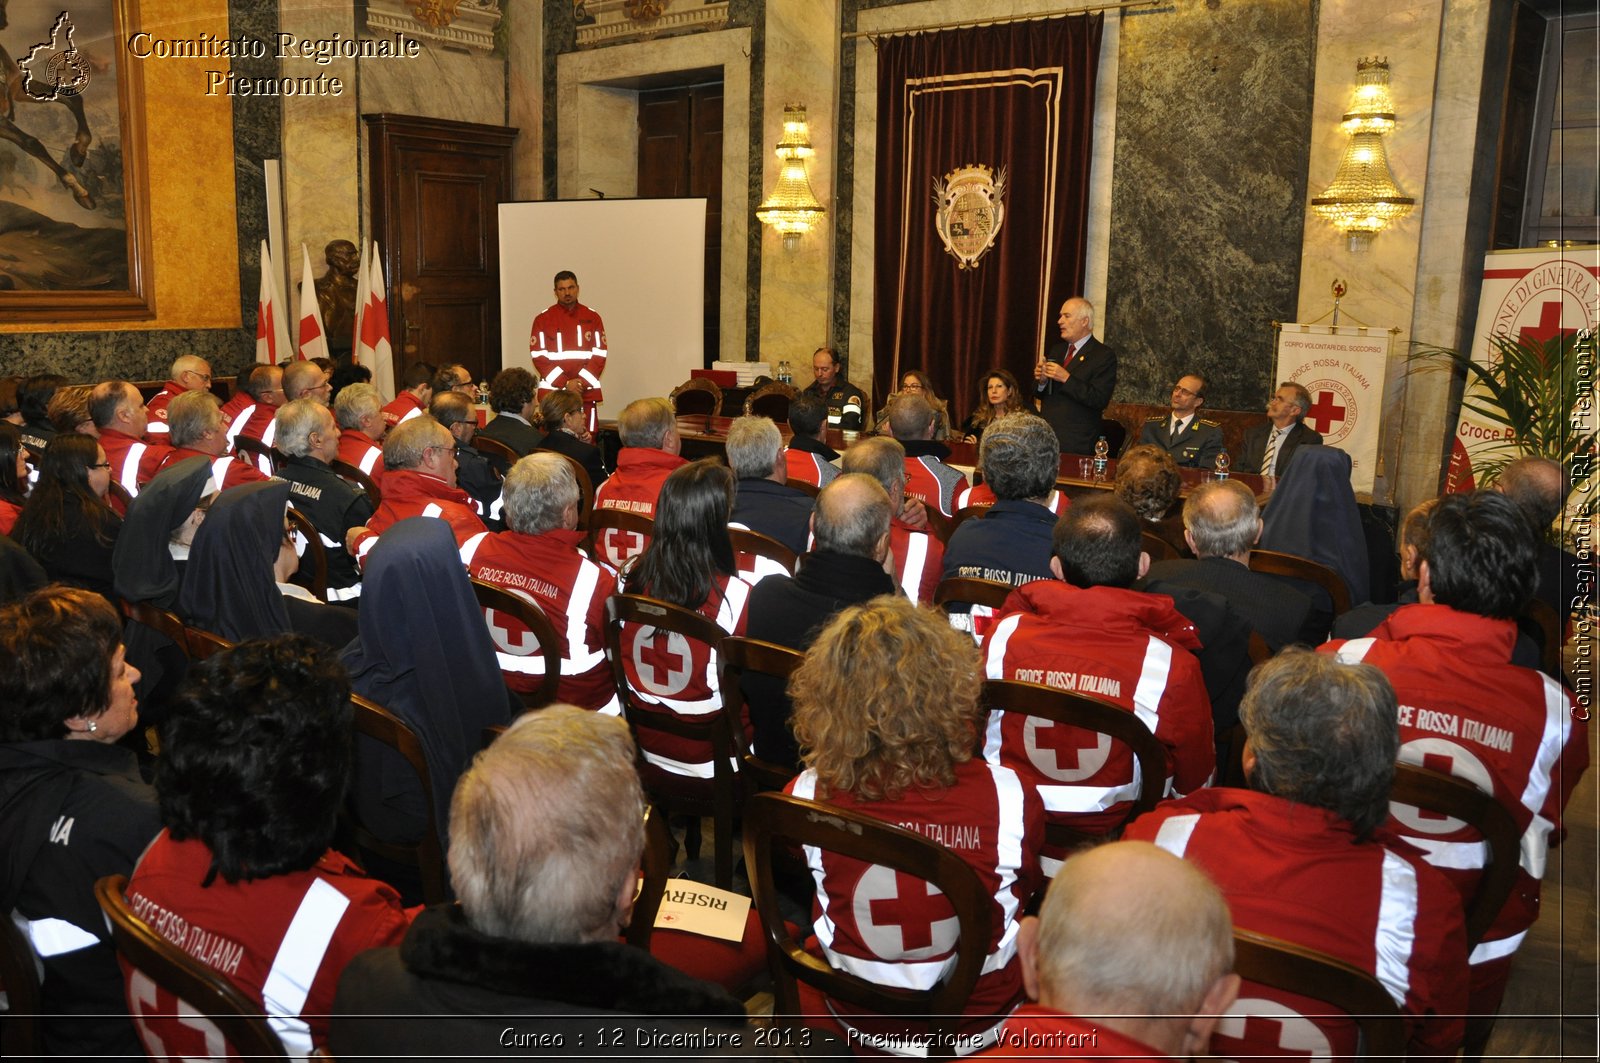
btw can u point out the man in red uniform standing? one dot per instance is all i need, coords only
(568, 347)
(649, 432)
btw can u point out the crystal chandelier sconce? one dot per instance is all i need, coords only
(792, 208)
(1363, 198)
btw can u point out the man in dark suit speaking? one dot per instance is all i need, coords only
(1076, 379)
(1287, 408)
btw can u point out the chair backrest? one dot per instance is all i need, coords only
(497, 452)
(969, 590)
(1273, 563)
(1545, 619)
(697, 396)
(253, 452)
(20, 1037)
(966, 513)
(804, 485)
(709, 728)
(771, 400)
(1090, 713)
(1158, 548)
(1116, 434)
(585, 487)
(314, 561)
(940, 526)
(772, 822)
(607, 519)
(739, 657)
(238, 1018)
(547, 643)
(746, 541)
(656, 866)
(203, 644)
(426, 855)
(1461, 801)
(120, 493)
(350, 474)
(159, 620)
(1292, 968)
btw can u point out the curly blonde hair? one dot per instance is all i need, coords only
(887, 700)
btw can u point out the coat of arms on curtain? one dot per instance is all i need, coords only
(971, 211)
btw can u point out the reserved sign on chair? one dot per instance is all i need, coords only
(702, 909)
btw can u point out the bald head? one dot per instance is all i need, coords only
(911, 417)
(1538, 486)
(852, 517)
(1221, 519)
(1137, 938)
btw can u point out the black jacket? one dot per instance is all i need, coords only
(448, 990)
(71, 813)
(1254, 449)
(585, 454)
(333, 507)
(1279, 612)
(1074, 407)
(514, 432)
(773, 509)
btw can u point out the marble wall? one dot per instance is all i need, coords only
(1208, 197)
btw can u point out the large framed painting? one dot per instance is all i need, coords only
(74, 208)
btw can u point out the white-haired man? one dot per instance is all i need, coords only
(309, 440)
(196, 428)
(188, 373)
(764, 502)
(421, 482)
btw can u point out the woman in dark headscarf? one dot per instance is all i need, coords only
(230, 585)
(142, 561)
(1313, 514)
(425, 655)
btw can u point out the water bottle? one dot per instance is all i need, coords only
(1102, 450)
(1221, 465)
(785, 374)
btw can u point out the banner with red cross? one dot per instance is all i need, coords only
(1343, 369)
(1536, 294)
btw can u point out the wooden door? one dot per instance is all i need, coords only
(680, 155)
(436, 188)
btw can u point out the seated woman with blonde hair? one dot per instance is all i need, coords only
(886, 713)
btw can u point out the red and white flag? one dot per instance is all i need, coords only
(313, 339)
(272, 325)
(372, 346)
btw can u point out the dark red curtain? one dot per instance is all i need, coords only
(1018, 97)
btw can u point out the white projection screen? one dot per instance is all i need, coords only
(640, 264)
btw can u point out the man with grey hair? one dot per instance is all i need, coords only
(1539, 488)
(531, 952)
(846, 566)
(916, 554)
(309, 440)
(1269, 448)
(1303, 855)
(421, 482)
(1075, 379)
(306, 380)
(195, 428)
(1020, 460)
(1130, 957)
(120, 416)
(188, 373)
(764, 501)
(540, 557)
(474, 475)
(359, 410)
(648, 429)
(1221, 524)
(912, 420)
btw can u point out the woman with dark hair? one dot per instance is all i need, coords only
(13, 476)
(233, 583)
(916, 382)
(66, 524)
(998, 395)
(424, 653)
(33, 400)
(251, 778)
(10, 412)
(72, 805)
(689, 562)
(886, 713)
(566, 432)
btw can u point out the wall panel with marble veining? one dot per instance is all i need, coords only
(1208, 197)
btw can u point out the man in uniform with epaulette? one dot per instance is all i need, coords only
(846, 402)
(1194, 443)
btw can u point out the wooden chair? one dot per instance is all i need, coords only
(941, 526)
(739, 657)
(585, 487)
(20, 1035)
(204, 644)
(969, 590)
(239, 1019)
(120, 494)
(1087, 712)
(352, 475)
(1116, 434)
(1273, 563)
(1458, 799)
(501, 457)
(804, 485)
(697, 397)
(162, 621)
(1158, 548)
(1291, 968)
(255, 452)
(675, 794)
(547, 643)
(426, 854)
(746, 541)
(313, 573)
(771, 400)
(966, 513)
(775, 821)
(606, 519)
(655, 867)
